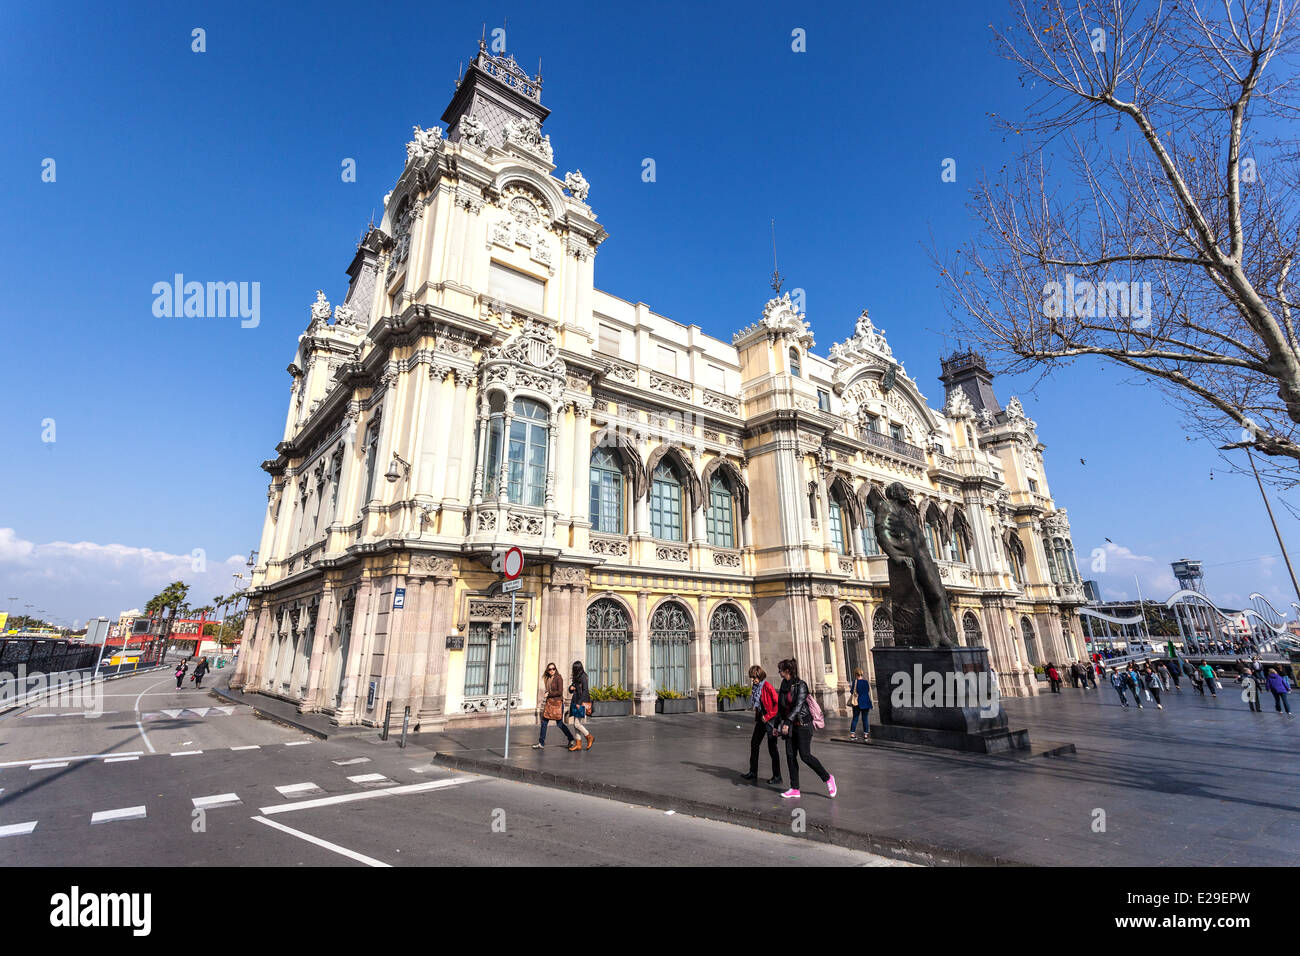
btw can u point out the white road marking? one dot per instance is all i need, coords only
(112, 816)
(139, 722)
(297, 743)
(333, 847)
(172, 713)
(225, 710)
(370, 779)
(49, 766)
(17, 829)
(118, 759)
(421, 768)
(348, 763)
(365, 795)
(185, 753)
(291, 788)
(24, 763)
(248, 747)
(220, 800)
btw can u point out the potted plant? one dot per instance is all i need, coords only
(671, 702)
(614, 701)
(1040, 672)
(733, 697)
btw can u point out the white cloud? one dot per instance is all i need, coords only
(76, 580)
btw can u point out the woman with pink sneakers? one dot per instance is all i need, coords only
(794, 722)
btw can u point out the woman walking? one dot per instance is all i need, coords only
(1053, 677)
(553, 709)
(1280, 686)
(1153, 686)
(762, 700)
(795, 724)
(181, 670)
(199, 671)
(580, 704)
(1119, 683)
(860, 699)
(1250, 691)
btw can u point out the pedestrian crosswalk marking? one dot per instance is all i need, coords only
(49, 766)
(370, 779)
(297, 743)
(186, 753)
(292, 789)
(17, 829)
(113, 816)
(346, 763)
(118, 759)
(219, 800)
(248, 747)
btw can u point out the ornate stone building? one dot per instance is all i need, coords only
(686, 506)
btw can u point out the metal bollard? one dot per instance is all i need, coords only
(406, 720)
(388, 712)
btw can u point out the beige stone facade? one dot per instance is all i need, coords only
(686, 506)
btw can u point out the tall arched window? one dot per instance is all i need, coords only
(671, 632)
(841, 526)
(721, 517)
(882, 627)
(606, 493)
(1016, 559)
(869, 542)
(728, 637)
(666, 503)
(1051, 562)
(851, 634)
(934, 537)
(525, 451)
(795, 370)
(970, 627)
(1031, 645)
(609, 630)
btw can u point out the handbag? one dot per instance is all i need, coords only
(553, 709)
(578, 710)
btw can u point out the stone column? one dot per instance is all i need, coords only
(503, 477)
(442, 614)
(481, 460)
(645, 696)
(703, 658)
(326, 615)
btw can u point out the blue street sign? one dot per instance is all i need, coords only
(399, 599)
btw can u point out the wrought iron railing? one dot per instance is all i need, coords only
(895, 445)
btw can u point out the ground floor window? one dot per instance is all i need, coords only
(609, 630)
(484, 656)
(670, 645)
(728, 637)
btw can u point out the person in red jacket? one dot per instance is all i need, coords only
(763, 700)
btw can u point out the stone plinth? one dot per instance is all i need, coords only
(941, 697)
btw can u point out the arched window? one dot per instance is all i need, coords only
(959, 549)
(1016, 559)
(1065, 561)
(794, 363)
(606, 493)
(728, 637)
(851, 634)
(1031, 646)
(837, 526)
(670, 645)
(882, 627)
(869, 542)
(721, 516)
(525, 451)
(934, 537)
(970, 627)
(609, 630)
(666, 503)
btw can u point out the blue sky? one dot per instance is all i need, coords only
(225, 166)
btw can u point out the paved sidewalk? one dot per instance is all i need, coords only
(1204, 782)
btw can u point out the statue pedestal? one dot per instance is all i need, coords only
(941, 697)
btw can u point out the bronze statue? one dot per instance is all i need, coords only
(921, 614)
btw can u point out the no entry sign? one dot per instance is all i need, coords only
(513, 564)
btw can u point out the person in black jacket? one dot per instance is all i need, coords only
(580, 704)
(199, 671)
(794, 722)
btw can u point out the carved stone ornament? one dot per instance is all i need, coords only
(526, 134)
(780, 317)
(577, 185)
(959, 404)
(424, 145)
(320, 311)
(472, 131)
(432, 564)
(1016, 414)
(569, 576)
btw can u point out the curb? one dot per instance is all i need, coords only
(923, 854)
(226, 694)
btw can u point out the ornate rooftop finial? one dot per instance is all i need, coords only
(866, 339)
(777, 281)
(780, 317)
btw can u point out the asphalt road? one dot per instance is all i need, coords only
(161, 777)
